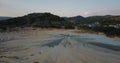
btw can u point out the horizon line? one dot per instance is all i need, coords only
(59, 15)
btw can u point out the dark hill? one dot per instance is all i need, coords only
(107, 19)
(4, 18)
(44, 20)
(76, 18)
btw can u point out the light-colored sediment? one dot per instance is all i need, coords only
(55, 46)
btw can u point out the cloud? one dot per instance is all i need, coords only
(106, 11)
(86, 13)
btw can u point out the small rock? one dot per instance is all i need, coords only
(36, 62)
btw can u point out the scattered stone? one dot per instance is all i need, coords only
(40, 53)
(4, 62)
(36, 62)
(32, 55)
(11, 57)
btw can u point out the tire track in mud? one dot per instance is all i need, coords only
(53, 43)
(62, 49)
(63, 41)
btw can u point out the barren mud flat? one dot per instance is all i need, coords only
(57, 46)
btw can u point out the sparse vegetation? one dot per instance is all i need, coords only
(109, 25)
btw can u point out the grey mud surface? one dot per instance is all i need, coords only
(61, 47)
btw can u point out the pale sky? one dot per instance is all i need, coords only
(60, 7)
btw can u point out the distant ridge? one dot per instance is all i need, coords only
(76, 18)
(4, 18)
(110, 25)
